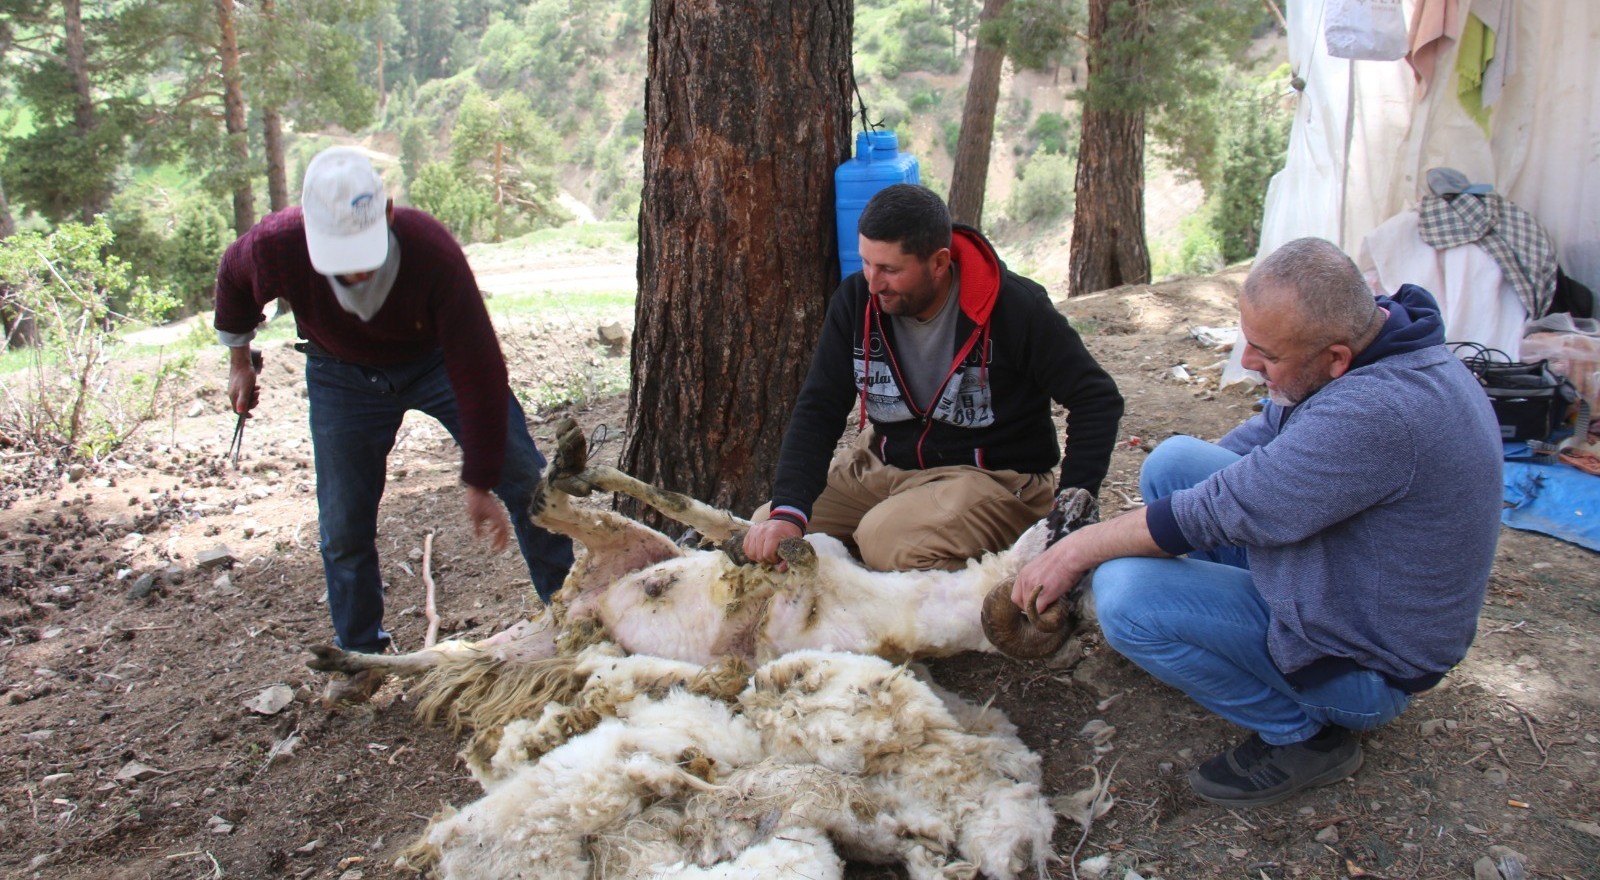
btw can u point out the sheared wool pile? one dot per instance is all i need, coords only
(666, 769)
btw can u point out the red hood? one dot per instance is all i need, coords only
(980, 273)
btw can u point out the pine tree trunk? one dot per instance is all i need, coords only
(383, 93)
(277, 171)
(244, 201)
(970, 177)
(1108, 243)
(747, 114)
(272, 129)
(83, 115)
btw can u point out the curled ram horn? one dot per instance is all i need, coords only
(1028, 633)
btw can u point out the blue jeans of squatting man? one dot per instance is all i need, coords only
(1198, 624)
(355, 414)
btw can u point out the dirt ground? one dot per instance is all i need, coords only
(128, 748)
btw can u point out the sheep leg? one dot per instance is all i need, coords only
(571, 474)
(527, 639)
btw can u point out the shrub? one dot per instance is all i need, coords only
(1055, 134)
(1044, 191)
(72, 402)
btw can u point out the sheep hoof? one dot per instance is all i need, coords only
(1017, 634)
(1072, 510)
(799, 553)
(330, 658)
(734, 548)
(572, 450)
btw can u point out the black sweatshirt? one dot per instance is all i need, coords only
(1013, 354)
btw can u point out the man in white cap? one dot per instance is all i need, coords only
(391, 321)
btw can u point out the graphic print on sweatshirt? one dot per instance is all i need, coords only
(967, 400)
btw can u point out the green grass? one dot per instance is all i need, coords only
(543, 303)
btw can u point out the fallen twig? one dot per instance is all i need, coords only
(428, 610)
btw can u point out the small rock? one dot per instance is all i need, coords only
(142, 587)
(219, 825)
(271, 701)
(196, 408)
(1497, 776)
(1484, 869)
(309, 848)
(1329, 835)
(217, 557)
(75, 473)
(39, 861)
(53, 778)
(1588, 828)
(132, 540)
(1432, 727)
(133, 771)
(39, 735)
(223, 583)
(53, 632)
(613, 335)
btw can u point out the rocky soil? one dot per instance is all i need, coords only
(157, 719)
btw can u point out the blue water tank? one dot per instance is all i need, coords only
(878, 163)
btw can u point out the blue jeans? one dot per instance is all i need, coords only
(355, 413)
(1199, 624)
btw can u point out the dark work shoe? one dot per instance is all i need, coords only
(1255, 774)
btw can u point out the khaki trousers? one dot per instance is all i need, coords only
(907, 520)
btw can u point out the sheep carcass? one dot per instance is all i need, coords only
(638, 588)
(825, 749)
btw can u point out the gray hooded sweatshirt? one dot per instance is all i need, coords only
(1369, 511)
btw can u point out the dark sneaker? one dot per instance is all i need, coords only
(1255, 774)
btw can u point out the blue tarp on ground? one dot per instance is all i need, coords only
(1554, 499)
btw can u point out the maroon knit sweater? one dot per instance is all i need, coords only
(434, 304)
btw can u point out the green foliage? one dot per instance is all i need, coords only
(461, 207)
(502, 148)
(952, 135)
(1044, 191)
(1198, 250)
(925, 99)
(1055, 134)
(925, 41)
(73, 401)
(1038, 34)
(1255, 147)
(415, 149)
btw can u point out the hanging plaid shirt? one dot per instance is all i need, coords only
(1510, 235)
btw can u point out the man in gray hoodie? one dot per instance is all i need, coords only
(1335, 548)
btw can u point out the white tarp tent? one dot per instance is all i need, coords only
(1366, 132)
(1364, 137)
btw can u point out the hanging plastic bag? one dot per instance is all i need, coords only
(1366, 30)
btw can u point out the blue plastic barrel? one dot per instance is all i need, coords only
(878, 163)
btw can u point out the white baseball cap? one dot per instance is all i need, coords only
(344, 206)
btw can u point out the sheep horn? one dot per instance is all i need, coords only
(1025, 634)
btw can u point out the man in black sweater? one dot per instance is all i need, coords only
(954, 360)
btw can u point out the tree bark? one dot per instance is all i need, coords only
(244, 201)
(1108, 243)
(272, 126)
(970, 176)
(747, 114)
(84, 122)
(277, 171)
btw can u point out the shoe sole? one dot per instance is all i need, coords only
(1337, 773)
